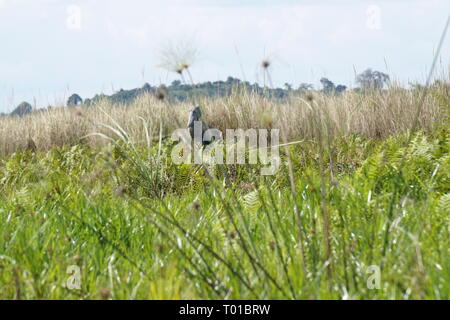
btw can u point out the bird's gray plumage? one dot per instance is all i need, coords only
(207, 136)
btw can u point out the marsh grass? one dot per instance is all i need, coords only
(376, 114)
(99, 191)
(106, 212)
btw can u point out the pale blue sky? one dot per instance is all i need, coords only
(48, 53)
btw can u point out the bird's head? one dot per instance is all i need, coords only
(194, 115)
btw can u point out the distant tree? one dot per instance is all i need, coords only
(146, 87)
(288, 86)
(178, 91)
(22, 109)
(278, 93)
(370, 80)
(231, 80)
(341, 88)
(74, 100)
(328, 86)
(305, 86)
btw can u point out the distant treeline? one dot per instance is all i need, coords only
(178, 91)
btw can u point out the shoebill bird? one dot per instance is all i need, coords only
(199, 130)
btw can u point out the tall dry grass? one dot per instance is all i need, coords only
(374, 114)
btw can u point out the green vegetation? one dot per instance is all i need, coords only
(141, 227)
(364, 184)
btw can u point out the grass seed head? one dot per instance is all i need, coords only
(105, 293)
(231, 234)
(120, 191)
(160, 95)
(196, 206)
(272, 245)
(265, 64)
